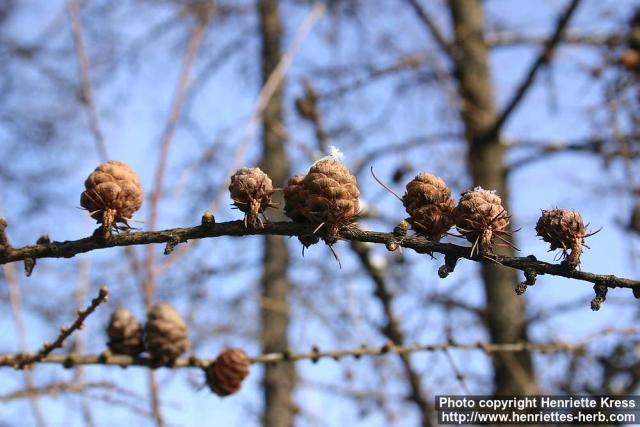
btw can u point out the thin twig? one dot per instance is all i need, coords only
(79, 341)
(148, 287)
(544, 57)
(15, 300)
(193, 45)
(87, 92)
(154, 392)
(25, 360)
(58, 388)
(437, 34)
(315, 354)
(499, 40)
(393, 331)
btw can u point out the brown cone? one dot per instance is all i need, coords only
(125, 333)
(332, 196)
(112, 195)
(479, 216)
(226, 373)
(251, 191)
(428, 202)
(630, 59)
(166, 334)
(295, 199)
(563, 229)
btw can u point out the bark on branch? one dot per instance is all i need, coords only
(68, 249)
(315, 354)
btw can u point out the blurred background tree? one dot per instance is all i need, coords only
(537, 101)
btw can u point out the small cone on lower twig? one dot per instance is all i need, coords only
(428, 202)
(251, 190)
(166, 334)
(481, 218)
(332, 197)
(125, 333)
(226, 373)
(563, 229)
(112, 195)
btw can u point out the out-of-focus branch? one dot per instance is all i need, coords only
(400, 147)
(202, 16)
(87, 93)
(514, 40)
(193, 45)
(436, 33)
(237, 228)
(544, 57)
(316, 354)
(56, 389)
(15, 300)
(372, 74)
(267, 91)
(543, 150)
(307, 107)
(393, 331)
(79, 341)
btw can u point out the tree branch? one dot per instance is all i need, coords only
(595, 145)
(499, 40)
(393, 331)
(175, 236)
(544, 57)
(85, 77)
(316, 354)
(436, 33)
(65, 332)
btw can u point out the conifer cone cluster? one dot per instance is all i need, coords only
(112, 195)
(332, 197)
(251, 191)
(166, 334)
(125, 333)
(563, 229)
(480, 217)
(428, 202)
(226, 373)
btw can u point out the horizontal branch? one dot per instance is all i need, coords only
(517, 40)
(57, 388)
(316, 354)
(175, 236)
(607, 148)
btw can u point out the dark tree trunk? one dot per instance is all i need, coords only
(278, 379)
(513, 373)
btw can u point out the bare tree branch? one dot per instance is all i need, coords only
(544, 57)
(54, 389)
(85, 77)
(316, 354)
(514, 40)
(443, 43)
(65, 332)
(176, 236)
(393, 331)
